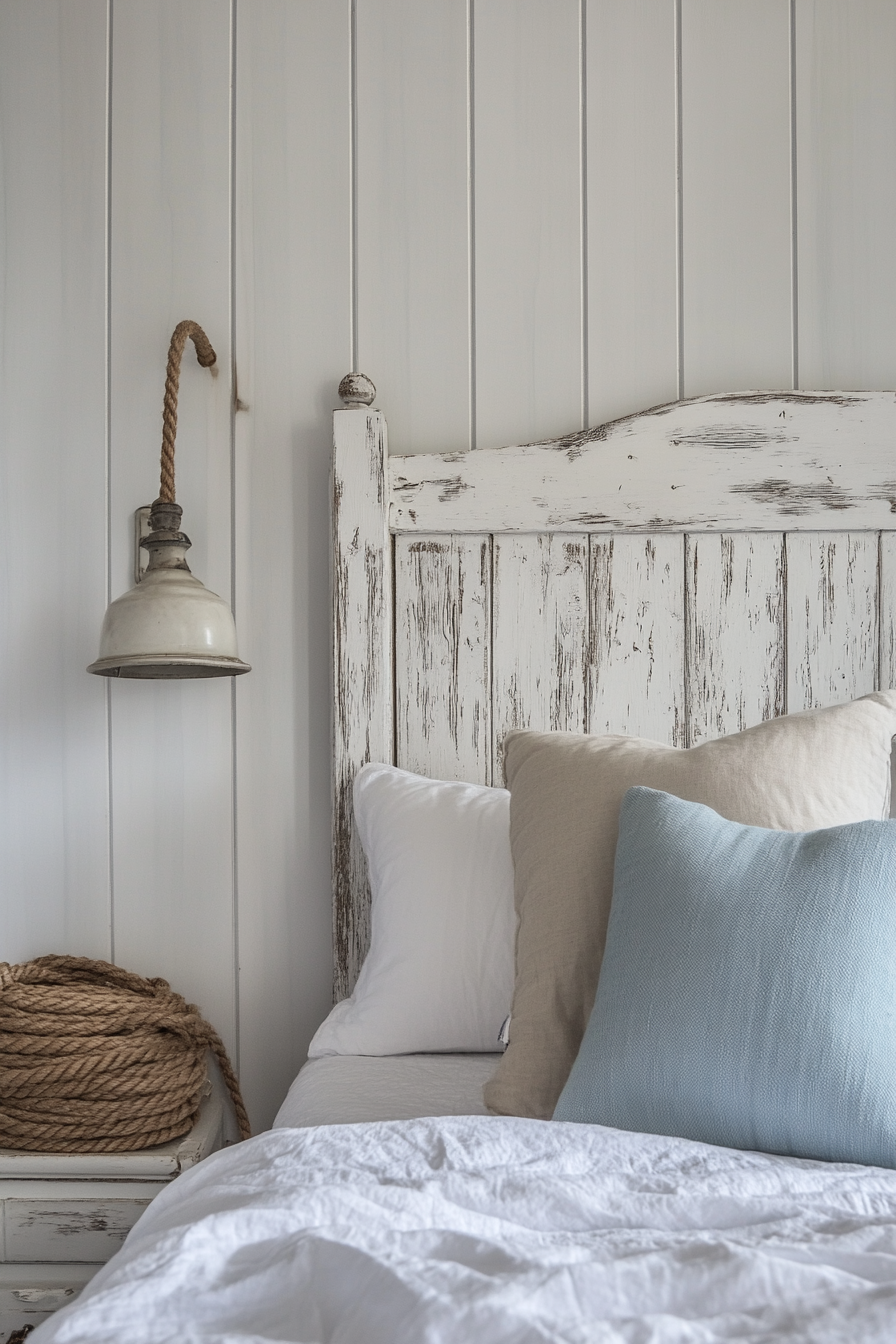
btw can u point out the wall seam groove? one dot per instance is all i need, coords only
(110, 854)
(679, 202)
(583, 134)
(353, 182)
(471, 219)
(794, 207)
(234, 886)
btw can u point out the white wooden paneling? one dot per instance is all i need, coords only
(832, 617)
(736, 178)
(636, 674)
(846, 157)
(412, 217)
(443, 656)
(172, 749)
(528, 219)
(292, 347)
(754, 461)
(540, 586)
(631, 184)
(362, 663)
(735, 631)
(54, 788)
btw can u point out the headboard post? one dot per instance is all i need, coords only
(362, 652)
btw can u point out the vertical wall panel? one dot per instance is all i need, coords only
(846, 157)
(172, 749)
(292, 347)
(413, 222)
(636, 672)
(541, 584)
(736, 195)
(832, 617)
(735, 632)
(53, 751)
(528, 216)
(632, 249)
(443, 656)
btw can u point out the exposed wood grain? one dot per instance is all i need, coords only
(736, 180)
(636, 673)
(528, 218)
(540, 635)
(413, 180)
(632, 256)
(832, 617)
(76, 1227)
(292, 340)
(443, 656)
(735, 607)
(846, 130)
(754, 461)
(54, 785)
(362, 663)
(172, 749)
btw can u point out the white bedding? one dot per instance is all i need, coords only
(479, 1230)
(343, 1089)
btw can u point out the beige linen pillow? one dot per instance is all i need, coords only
(800, 772)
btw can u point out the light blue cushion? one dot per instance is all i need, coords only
(747, 995)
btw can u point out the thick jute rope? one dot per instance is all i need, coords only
(96, 1059)
(206, 356)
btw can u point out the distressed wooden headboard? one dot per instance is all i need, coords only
(676, 574)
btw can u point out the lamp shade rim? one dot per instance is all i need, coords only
(128, 665)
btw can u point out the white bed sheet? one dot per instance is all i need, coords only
(343, 1089)
(488, 1230)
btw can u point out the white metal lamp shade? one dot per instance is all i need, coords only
(170, 625)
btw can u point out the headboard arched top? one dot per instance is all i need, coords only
(745, 461)
(677, 574)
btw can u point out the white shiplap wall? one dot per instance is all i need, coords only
(518, 216)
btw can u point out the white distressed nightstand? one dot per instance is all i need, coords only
(65, 1214)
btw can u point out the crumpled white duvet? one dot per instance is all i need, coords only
(478, 1230)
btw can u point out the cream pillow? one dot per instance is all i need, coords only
(800, 772)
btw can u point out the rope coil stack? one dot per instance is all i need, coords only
(96, 1059)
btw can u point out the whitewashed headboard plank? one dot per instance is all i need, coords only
(735, 631)
(362, 661)
(887, 618)
(750, 461)
(636, 668)
(833, 613)
(540, 587)
(442, 656)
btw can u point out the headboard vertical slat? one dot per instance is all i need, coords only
(636, 671)
(442, 656)
(832, 622)
(735, 631)
(887, 608)
(362, 662)
(540, 588)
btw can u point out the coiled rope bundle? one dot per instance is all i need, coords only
(96, 1059)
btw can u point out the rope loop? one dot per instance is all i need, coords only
(94, 1058)
(206, 356)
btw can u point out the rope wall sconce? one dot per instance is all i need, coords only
(170, 625)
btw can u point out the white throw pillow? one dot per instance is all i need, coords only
(439, 973)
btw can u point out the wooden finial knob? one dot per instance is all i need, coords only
(356, 389)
